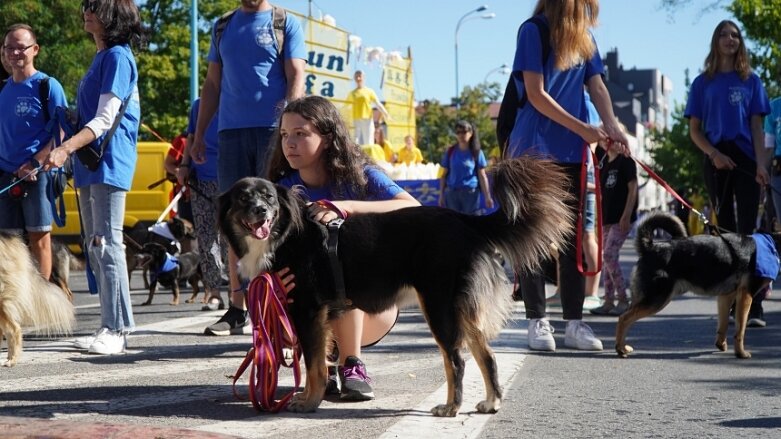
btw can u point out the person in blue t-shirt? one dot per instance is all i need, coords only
(725, 109)
(464, 165)
(25, 142)
(554, 125)
(773, 144)
(248, 80)
(202, 177)
(111, 79)
(315, 153)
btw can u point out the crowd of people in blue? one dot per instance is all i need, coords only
(255, 73)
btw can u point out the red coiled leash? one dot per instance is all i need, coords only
(271, 331)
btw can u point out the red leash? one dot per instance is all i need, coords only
(271, 331)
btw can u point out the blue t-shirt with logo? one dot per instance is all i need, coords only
(773, 124)
(205, 171)
(253, 84)
(379, 187)
(461, 167)
(113, 71)
(534, 133)
(22, 121)
(725, 105)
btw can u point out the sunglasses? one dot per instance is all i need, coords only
(88, 5)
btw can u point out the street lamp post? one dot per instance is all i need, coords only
(458, 26)
(504, 69)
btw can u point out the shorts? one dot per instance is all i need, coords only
(590, 216)
(32, 212)
(243, 152)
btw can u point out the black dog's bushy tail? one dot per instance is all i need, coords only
(657, 220)
(533, 216)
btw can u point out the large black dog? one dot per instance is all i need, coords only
(451, 261)
(722, 266)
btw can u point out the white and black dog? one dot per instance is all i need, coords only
(451, 261)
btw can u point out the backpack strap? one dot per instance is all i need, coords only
(219, 28)
(279, 20)
(43, 94)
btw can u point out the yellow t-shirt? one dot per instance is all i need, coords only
(410, 155)
(374, 152)
(390, 151)
(362, 99)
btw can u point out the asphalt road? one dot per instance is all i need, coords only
(175, 382)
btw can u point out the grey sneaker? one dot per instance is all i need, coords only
(355, 381)
(580, 336)
(85, 342)
(233, 322)
(540, 335)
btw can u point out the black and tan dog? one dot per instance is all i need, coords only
(168, 270)
(183, 234)
(449, 261)
(722, 266)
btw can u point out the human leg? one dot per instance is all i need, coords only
(355, 381)
(37, 211)
(41, 249)
(205, 223)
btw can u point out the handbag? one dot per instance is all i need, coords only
(90, 155)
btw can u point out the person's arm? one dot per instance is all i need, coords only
(548, 107)
(294, 73)
(719, 160)
(183, 170)
(324, 214)
(442, 186)
(762, 153)
(604, 105)
(210, 100)
(482, 179)
(382, 109)
(625, 223)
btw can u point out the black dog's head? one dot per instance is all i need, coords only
(255, 216)
(156, 253)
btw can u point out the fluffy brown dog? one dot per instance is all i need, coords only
(26, 299)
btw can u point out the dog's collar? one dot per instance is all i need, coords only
(170, 263)
(333, 257)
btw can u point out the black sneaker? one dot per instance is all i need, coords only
(233, 322)
(332, 385)
(355, 381)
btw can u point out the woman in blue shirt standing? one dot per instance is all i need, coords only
(464, 178)
(111, 80)
(553, 124)
(725, 109)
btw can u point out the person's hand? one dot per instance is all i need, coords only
(198, 151)
(592, 134)
(624, 224)
(489, 202)
(182, 175)
(56, 158)
(28, 171)
(722, 161)
(763, 178)
(322, 213)
(441, 201)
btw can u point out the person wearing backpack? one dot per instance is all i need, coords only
(552, 123)
(464, 170)
(28, 99)
(256, 63)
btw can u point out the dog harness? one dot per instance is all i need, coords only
(333, 227)
(170, 264)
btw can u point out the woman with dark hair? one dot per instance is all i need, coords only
(725, 109)
(464, 170)
(110, 82)
(315, 153)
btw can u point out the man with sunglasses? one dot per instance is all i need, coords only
(256, 64)
(25, 142)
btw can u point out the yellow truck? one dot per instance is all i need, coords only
(142, 205)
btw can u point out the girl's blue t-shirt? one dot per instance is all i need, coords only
(113, 71)
(206, 171)
(253, 84)
(725, 105)
(534, 133)
(461, 167)
(773, 124)
(22, 124)
(379, 187)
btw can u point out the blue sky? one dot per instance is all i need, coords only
(645, 36)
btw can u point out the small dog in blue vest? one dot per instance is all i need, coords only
(168, 270)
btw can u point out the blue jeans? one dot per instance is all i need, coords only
(463, 199)
(32, 212)
(590, 216)
(103, 215)
(243, 152)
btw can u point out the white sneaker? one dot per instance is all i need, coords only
(109, 343)
(580, 336)
(86, 342)
(540, 335)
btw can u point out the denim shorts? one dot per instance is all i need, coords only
(590, 217)
(243, 152)
(32, 212)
